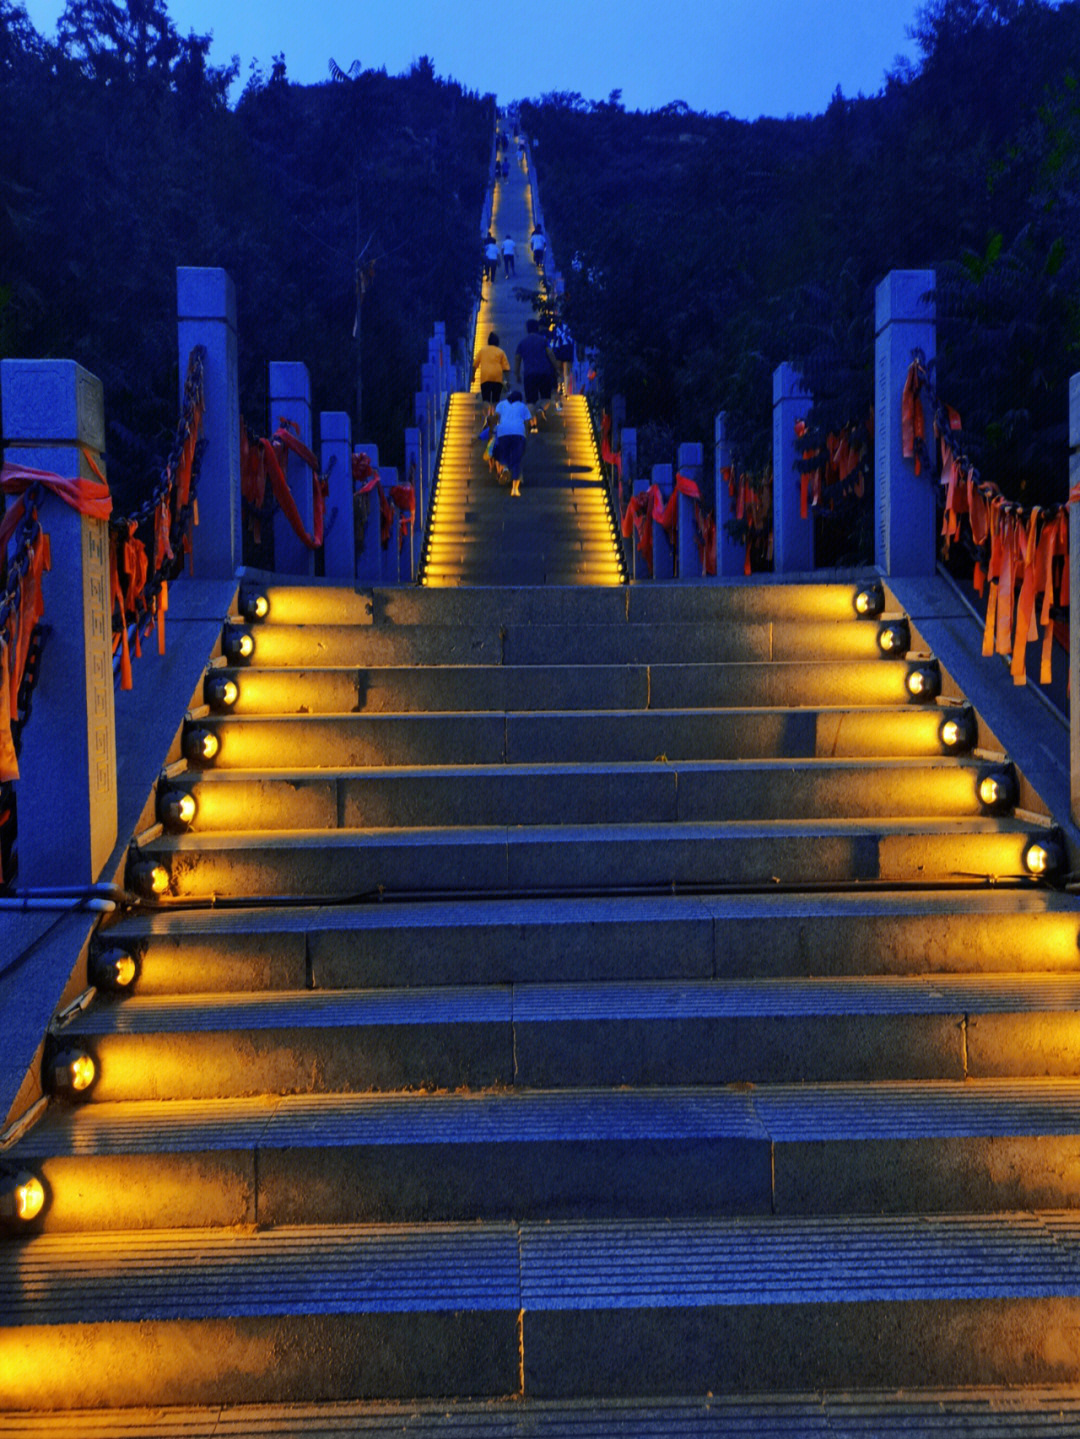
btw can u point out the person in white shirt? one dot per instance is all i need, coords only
(512, 416)
(508, 249)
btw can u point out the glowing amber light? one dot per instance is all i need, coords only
(22, 1196)
(258, 607)
(178, 808)
(993, 789)
(116, 969)
(73, 1069)
(246, 646)
(205, 744)
(868, 602)
(151, 879)
(952, 733)
(1041, 859)
(223, 692)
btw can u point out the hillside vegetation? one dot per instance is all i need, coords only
(709, 250)
(122, 159)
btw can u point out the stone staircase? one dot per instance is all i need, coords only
(622, 1001)
(560, 531)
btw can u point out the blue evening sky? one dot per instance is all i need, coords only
(749, 57)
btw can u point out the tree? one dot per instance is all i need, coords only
(134, 42)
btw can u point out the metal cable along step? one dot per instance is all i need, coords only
(639, 1003)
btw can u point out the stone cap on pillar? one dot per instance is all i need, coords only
(720, 429)
(788, 384)
(902, 296)
(289, 380)
(56, 399)
(205, 293)
(335, 425)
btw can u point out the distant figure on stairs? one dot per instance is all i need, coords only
(535, 367)
(509, 249)
(491, 257)
(537, 244)
(513, 417)
(493, 366)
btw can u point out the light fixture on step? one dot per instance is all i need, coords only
(71, 1071)
(894, 637)
(200, 745)
(997, 790)
(924, 680)
(1043, 858)
(113, 969)
(176, 808)
(238, 643)
(221, 691)
(22, 1196)
(958, 731)
(150, 878)
(254, 605)
(870, 600)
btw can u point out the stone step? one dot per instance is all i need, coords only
(349, 741)
(555, 569)
(406, 689)
(810, 1148)
(551, 1310)
(506, 941)
(702, 1032)
(351, 865)
(977, 1413)
(603, 644)
(723, 602)
(550, 794)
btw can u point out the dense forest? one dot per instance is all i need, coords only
(705, 249)
(123, 158)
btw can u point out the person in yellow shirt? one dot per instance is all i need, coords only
(493, 365)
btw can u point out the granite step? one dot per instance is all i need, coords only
(726, 602)
(976, 1413)
(524, 794)
(653, 1033)
(498, 641)
(564, 1309)
(825, 1148)
(402, 689)
(504, 941)
(464, 737)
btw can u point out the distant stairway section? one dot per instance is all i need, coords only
(561, 531)
(631, 1002)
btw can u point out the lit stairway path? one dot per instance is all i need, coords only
(523, 1122)
(561, 531)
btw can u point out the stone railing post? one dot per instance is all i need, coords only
(729, 553)
(793, 537)
(206, 315)
(414, 474)
(422, 412)
(629, 475)
(663, 553)
(906, 530)
(290, 399)
(335, 457)
(390, 558)
(1074, 625)
(66, 791)
(369, 557)
(690, 458)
